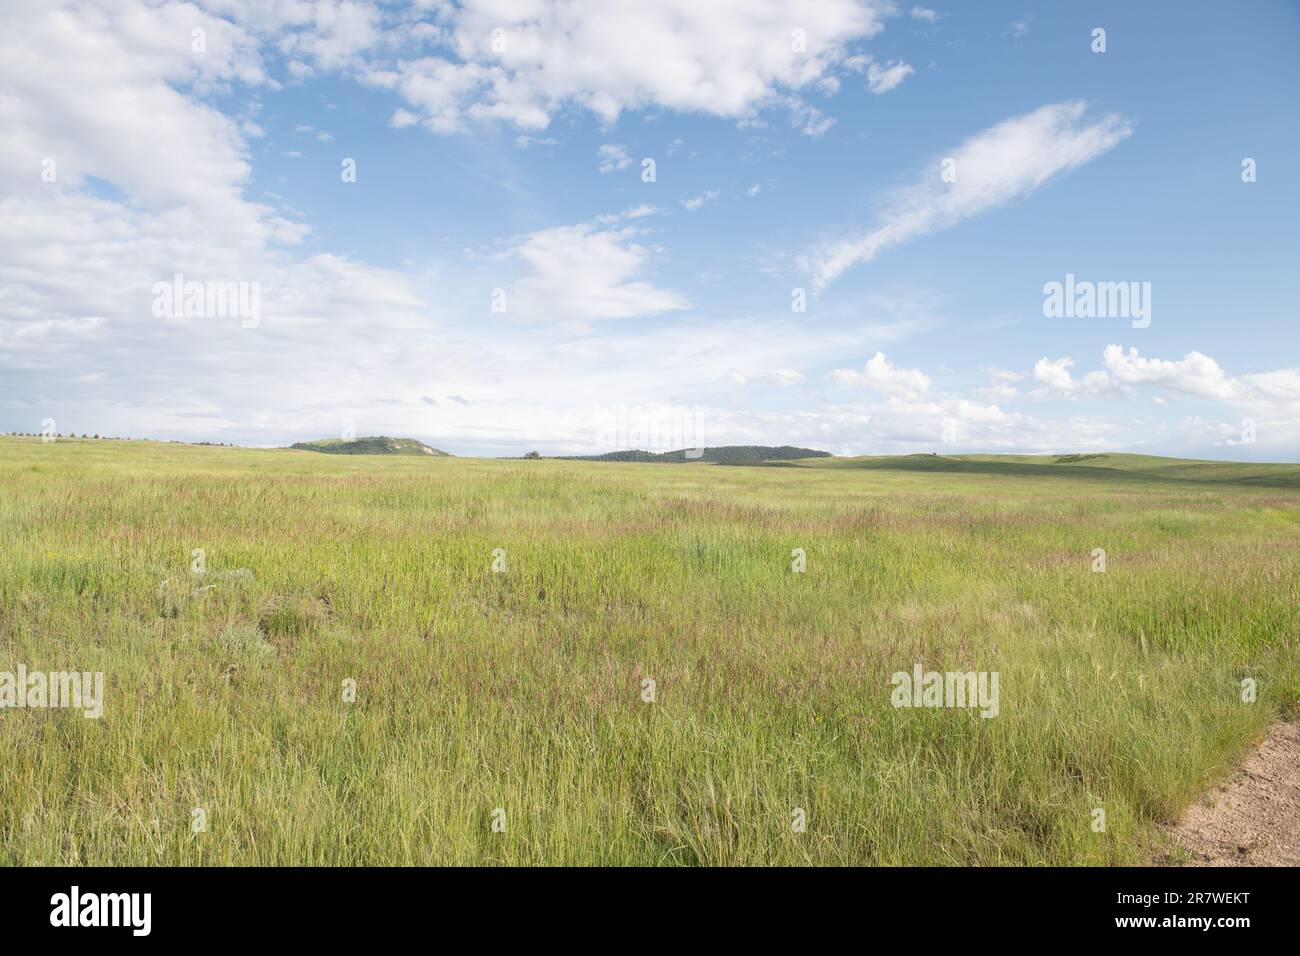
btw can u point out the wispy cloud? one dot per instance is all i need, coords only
(523, 141)
(882, 79)
(611, 158)
(999, 165)
(696, 202)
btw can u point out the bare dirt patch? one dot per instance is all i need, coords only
(1254, 820)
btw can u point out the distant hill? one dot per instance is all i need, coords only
(724, 454)
(374, 445)
(1104, 466)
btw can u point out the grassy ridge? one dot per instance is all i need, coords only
(1106, 467)
(375, 445)
(522, 690)
(724, 454)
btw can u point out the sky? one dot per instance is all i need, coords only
(576, 226)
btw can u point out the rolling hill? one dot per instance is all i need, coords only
(1099, 466)
(374, 445)
(723, 454)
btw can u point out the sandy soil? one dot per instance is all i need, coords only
(1253, 820)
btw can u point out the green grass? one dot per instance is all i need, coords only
(522, 690)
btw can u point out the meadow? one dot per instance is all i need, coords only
(349, 681)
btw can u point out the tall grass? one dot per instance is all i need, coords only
(523, 690)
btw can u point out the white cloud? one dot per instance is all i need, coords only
(126, 55)
(998, 392)
(809, 120)
(727, 58)
(693, 203)
(781, 377)
(586, 272)
(80, 273)
(880, 79)
(1281, 387)
(77, 333)
(878, 373)
(1055, 374)
(1002, 374)
(330, 33)
(523, 141)
(1196, 374)
(998, 165)
(1059, 382)
(883, 79)
(929, 16)
(1271, 398)
(401, 119)
(1002, 387)
(639, 212)
(612, 158)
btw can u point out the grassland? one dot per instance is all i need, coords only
(522, 690)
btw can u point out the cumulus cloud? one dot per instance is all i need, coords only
(521, 64)
(1058, 381)
(1196, 374)
(126, 55)
(1055, 374)
(81, 256)
(585, 272)
(1271, 399)
(330, 33)
(879, 374)
(999, 165)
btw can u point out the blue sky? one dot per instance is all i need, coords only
(654, 314)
